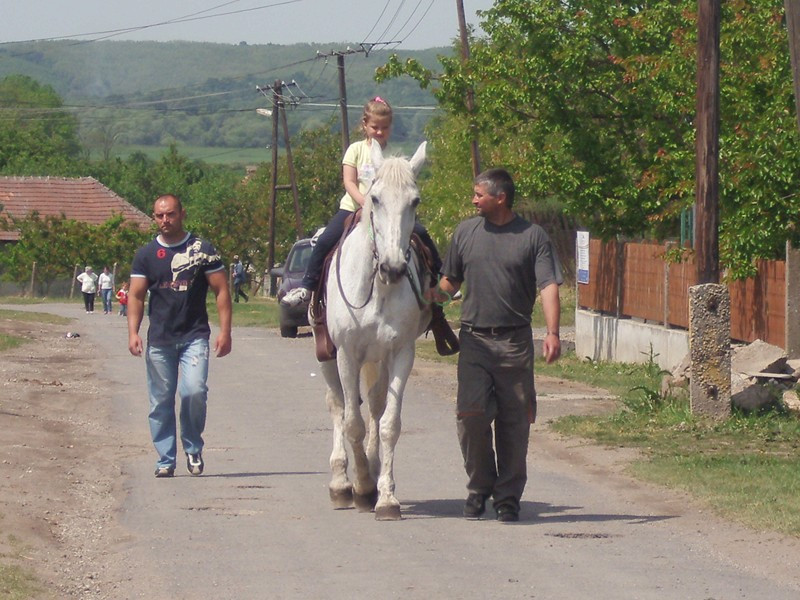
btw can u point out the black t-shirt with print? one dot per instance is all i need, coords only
(176, 278)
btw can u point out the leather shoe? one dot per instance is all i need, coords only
(475, 506)
(507, 513)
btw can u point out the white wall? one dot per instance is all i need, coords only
(602, 337)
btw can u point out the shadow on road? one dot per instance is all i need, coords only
(530, 512)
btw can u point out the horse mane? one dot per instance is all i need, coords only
(395, 172)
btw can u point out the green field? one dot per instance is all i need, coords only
(208, 154)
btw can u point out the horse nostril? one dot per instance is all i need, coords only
(393, 274)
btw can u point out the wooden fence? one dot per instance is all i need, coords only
(632, 280)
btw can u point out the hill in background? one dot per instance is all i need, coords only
(204, 94)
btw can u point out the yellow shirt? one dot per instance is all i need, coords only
(358, 155)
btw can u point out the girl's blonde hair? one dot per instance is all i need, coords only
(377, 107)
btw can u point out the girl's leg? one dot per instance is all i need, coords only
(326, 241)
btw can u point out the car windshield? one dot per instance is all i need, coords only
(300, 257)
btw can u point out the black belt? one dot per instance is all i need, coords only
(494, 330)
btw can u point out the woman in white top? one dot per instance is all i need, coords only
(88, 281)
(106, 283)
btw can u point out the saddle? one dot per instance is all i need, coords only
(446, 340)
(325, 350)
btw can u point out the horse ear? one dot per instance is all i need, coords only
(419, 158)
(377, 155)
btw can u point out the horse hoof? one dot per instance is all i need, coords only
(366, 502)
(341, 498)
(388, 513)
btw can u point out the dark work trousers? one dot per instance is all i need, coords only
(333, 233)
(495, 386)
(88, 301)
(238, 291)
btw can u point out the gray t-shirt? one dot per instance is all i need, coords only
(503, 266)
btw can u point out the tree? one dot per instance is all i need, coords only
(56, 244)
(592, 104)
(37, 137)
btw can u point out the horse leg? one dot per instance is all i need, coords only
(340, 488)
(388, 507)
(364, 487)
(375, 382)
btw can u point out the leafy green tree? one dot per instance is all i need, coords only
(37, 136)
(591, 103)
(56, 244)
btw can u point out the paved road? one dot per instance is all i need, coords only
(258, 524)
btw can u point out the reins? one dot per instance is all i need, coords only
(376, 261)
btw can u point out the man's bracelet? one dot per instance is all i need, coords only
(555, 333)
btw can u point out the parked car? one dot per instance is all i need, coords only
(291, 274)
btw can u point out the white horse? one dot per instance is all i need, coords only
(374, 318)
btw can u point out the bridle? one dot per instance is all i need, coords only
(375, 262)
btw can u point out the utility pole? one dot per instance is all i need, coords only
(279, 114)
(340, 54)
(273, 188)
(470, 100)
(343, 103)
(298, 222)
(792, 322)
(706, 231)
(709, 301)
(792, 8)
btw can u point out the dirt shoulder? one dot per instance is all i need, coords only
(58, 482)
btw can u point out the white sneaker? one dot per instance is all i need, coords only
(298, 295)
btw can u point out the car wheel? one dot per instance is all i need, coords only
(288, 331)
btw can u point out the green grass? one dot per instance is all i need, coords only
(208, 154)
(258, 312)
(32, 317)
(746, 468)
(16, 583)
(7, 342)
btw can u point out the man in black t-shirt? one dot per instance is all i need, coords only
(177, 268)
(504, 261)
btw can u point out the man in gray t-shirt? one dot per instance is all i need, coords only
(504, 260)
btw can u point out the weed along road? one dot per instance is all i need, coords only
(258, 523)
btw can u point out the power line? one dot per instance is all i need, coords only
(197, 16)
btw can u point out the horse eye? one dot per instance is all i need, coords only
(415, 202)
(375, 200)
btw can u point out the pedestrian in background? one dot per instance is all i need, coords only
(239, 279)
(177, 268)
(106, 283)
(122, 297)
(503, 259)
(88, 281)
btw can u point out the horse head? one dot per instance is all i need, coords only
(390, 210)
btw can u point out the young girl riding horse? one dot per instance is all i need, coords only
(358, 173)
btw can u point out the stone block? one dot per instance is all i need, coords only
(748, 394)
(759, 357)
(709, 348)
(791, 401)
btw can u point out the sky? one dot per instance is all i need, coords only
(417, 24)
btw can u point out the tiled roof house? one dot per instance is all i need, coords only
(81, 199)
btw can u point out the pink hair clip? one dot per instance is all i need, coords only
(379, 99)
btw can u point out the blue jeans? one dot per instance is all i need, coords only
(106, 300)
(163, 365)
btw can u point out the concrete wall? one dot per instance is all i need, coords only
(603, 337)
